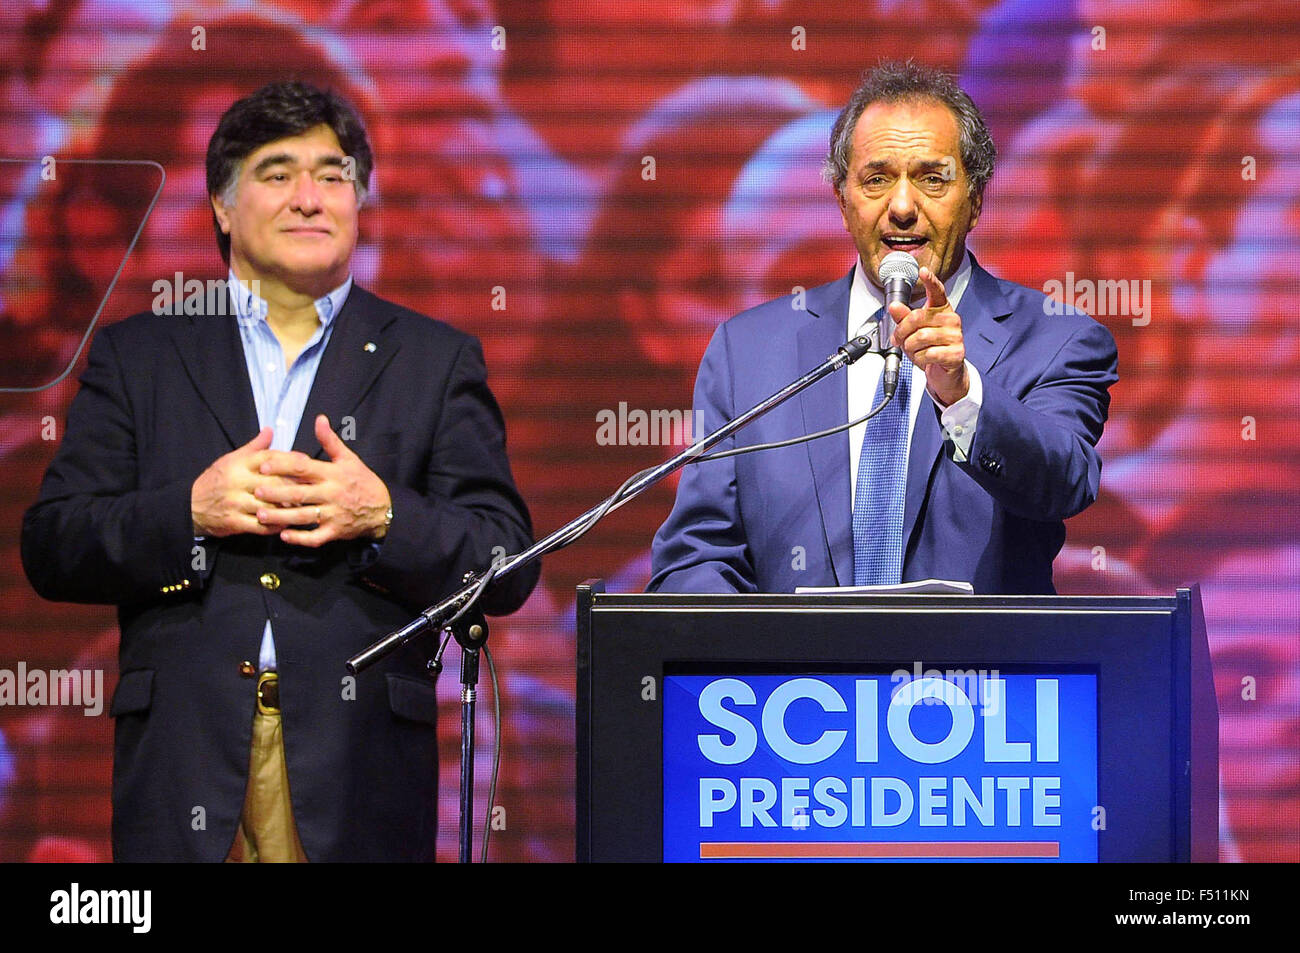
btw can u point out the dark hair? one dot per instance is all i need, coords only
(278, 111)
(893, 82)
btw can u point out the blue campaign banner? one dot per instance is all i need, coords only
(924, 765)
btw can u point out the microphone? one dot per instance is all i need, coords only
(899, 273)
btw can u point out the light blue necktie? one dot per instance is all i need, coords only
(881, 490)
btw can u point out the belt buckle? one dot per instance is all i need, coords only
(268, 693)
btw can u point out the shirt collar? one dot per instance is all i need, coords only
(865, 299)
(251, 308)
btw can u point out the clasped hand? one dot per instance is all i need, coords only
(307, 502)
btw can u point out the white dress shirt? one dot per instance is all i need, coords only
(957, 421)
(280, 393)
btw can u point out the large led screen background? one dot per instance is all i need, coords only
(591, 187)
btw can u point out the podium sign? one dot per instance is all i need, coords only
(920, 728)
(956, 765)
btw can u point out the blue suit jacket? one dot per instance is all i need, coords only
(777, 519)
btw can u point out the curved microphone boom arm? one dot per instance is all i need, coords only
(445, 613)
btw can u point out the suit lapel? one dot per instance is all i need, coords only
(359, 348)
(982, 309)
(827, 405)
(213, 356)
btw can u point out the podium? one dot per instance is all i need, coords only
(936, 728)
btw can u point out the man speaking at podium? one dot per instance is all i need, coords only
(264, 491)
(989, 442)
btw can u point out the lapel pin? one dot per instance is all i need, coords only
(370, 347)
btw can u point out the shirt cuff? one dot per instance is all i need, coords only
(362, 557)
(959, 418)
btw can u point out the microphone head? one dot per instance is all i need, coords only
(899, 274)
(899, 265)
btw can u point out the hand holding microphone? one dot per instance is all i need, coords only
(930, 335)
(898, 274)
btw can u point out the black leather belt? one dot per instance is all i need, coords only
(268, 692)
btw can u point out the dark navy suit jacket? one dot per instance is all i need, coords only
(161, 398)
(777, 519)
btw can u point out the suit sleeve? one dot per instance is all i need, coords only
(1036, 455)
(469, 512)
(702, 545)
(93, 535)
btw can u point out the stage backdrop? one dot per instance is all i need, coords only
(590, 187)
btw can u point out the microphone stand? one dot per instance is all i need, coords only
(457, 613)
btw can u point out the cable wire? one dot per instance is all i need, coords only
(615, 500)
(496, 754)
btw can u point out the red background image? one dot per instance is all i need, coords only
(590, 188)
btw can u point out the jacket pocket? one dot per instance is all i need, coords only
(134, 693)
(412, 699)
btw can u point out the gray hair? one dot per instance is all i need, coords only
(893, 82)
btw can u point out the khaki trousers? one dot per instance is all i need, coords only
(267, 833)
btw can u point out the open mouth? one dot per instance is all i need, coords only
(908, 243)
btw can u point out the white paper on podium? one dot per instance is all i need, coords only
(922, 587)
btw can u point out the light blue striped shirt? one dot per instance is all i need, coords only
(280, 393)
